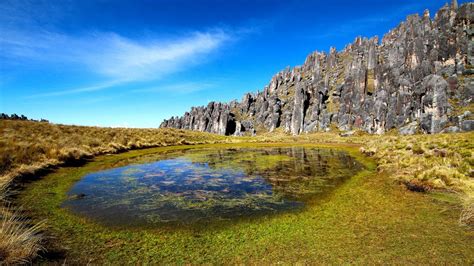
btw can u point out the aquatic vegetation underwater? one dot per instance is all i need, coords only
(205, 185)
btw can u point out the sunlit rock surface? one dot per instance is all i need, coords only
(410, 76)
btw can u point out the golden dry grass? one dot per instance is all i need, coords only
(441, 161)
(19, 241)
(27, 147)
(430, 162)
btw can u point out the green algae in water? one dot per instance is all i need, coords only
(204, 185)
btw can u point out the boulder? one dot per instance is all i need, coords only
(409, 129)
(467, 125)
(451, 129)
(347, 134)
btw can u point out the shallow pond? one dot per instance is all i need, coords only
(203, 185)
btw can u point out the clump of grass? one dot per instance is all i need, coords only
(19, 241)
(441, 177)
(467, 215)
(417, 149)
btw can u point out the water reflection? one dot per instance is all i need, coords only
(203, 185)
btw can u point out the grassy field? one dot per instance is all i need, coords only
(375, 208)
(28, 149)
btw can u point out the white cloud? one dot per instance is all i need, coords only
(119, 56)
(114, 57)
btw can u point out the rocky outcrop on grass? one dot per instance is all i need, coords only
(4, 116)
(419, 75)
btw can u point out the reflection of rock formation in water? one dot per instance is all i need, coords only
(313, 172)
(293, 172)
(403, 82)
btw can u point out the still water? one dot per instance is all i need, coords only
(206, 185)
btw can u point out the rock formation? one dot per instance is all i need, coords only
(417, 78)
(4, 116)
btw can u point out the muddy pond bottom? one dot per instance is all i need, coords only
(206, 185)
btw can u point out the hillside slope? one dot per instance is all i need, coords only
(420, 77)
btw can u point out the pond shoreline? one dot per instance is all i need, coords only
(88, 228)
(57, 253)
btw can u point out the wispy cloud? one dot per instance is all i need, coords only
(29, 38)
(95, 87)
(110, 55)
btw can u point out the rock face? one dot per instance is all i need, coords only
(414, 79)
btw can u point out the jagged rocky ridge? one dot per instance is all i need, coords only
(413, 80)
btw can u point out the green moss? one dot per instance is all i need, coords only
(368, 220)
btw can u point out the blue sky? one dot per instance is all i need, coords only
(134, 63)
